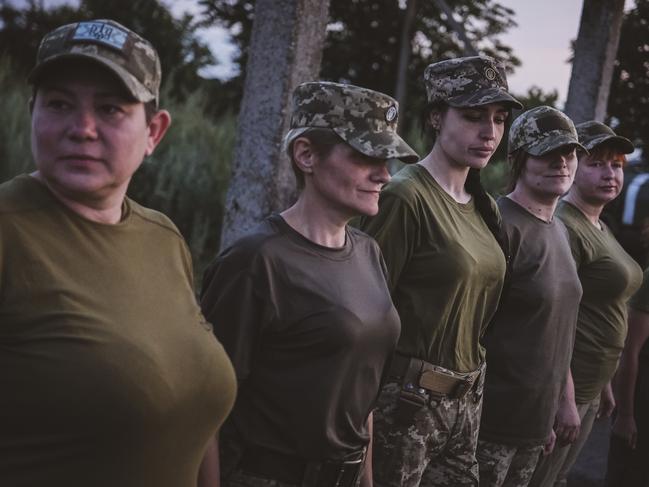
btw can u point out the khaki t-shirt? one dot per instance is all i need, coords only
(609, 276)
(529, 342)
(109, 374)
(445, 268)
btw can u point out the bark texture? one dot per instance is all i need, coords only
(285, 50)
(595, 52)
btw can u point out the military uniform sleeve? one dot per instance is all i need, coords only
(231, 300)
(396, 230)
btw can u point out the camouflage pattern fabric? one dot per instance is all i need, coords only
(365, 119)
(435, 448)
(541, 130)
(591, 134)
(132, 58)
(468, 81)
(506, 465)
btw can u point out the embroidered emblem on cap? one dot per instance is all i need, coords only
(102, 33)
(391, 113)
(490, 74)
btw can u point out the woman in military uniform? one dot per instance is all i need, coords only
(441, 237)
(529, 342)
(302, 305)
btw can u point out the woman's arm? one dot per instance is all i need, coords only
(567, 422)
(209, 472)
(367, 479)
(627, 374)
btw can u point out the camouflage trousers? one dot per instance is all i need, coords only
(506, 465)
(435, 446)
(552, 470)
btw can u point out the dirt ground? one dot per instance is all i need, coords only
(590, 468)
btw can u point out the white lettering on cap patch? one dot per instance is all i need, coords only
(101, 32)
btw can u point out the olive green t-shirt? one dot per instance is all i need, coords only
(609, 276)
(530, 339)
(445, 268)
(309, 330)
(109, 375)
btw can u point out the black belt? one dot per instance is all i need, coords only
(425, 375)
(298, 471)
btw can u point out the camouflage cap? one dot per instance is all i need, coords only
(365, 119)
(592, 134)
(133, 59)
(541, 130)
(468, 81)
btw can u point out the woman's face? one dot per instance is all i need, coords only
(547, 177)
(347, 181)
(599, 177)
(468, 137)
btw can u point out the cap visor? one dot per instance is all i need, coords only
(624, 144)
(543, 147)
(128, 80)
(484, 97)
(381, 145)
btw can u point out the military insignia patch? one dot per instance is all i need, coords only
(490, 74)
(102, 33)
(391, 113)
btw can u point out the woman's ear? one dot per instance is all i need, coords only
(435, 119)
(303, 155)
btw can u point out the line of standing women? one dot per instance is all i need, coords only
(304, 308)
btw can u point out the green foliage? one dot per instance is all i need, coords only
(15, 153)
(628, 102)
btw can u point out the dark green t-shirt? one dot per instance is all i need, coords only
(445, 269)
(530, 340)
(109, 374)
(609, 276)
(309, 330)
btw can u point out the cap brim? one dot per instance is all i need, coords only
(623, 143)
(132, 85)
(380, 145)
(542, 147)
(484, 97)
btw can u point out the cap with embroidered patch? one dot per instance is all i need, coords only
(592, 134)
(132, 58)
(365, 119)
(541, 130)
(467, 82)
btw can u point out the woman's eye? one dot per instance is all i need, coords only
(57, 104)
(110, 109)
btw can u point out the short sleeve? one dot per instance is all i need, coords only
(232, 302)
(396, 230)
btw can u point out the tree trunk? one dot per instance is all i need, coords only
(405, 50)
(285, 50)
(595, 52)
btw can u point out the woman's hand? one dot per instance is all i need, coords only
(549, 445)
(624, 427)
(567, 422)
(607, 402)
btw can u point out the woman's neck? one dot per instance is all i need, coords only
(451, 177)
(590, 211)
(541, 209)
(321, 226)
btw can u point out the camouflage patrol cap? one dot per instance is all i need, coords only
(133, 59)
(592, 134)
(541, 130)
(467, 82)
(365, 119)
